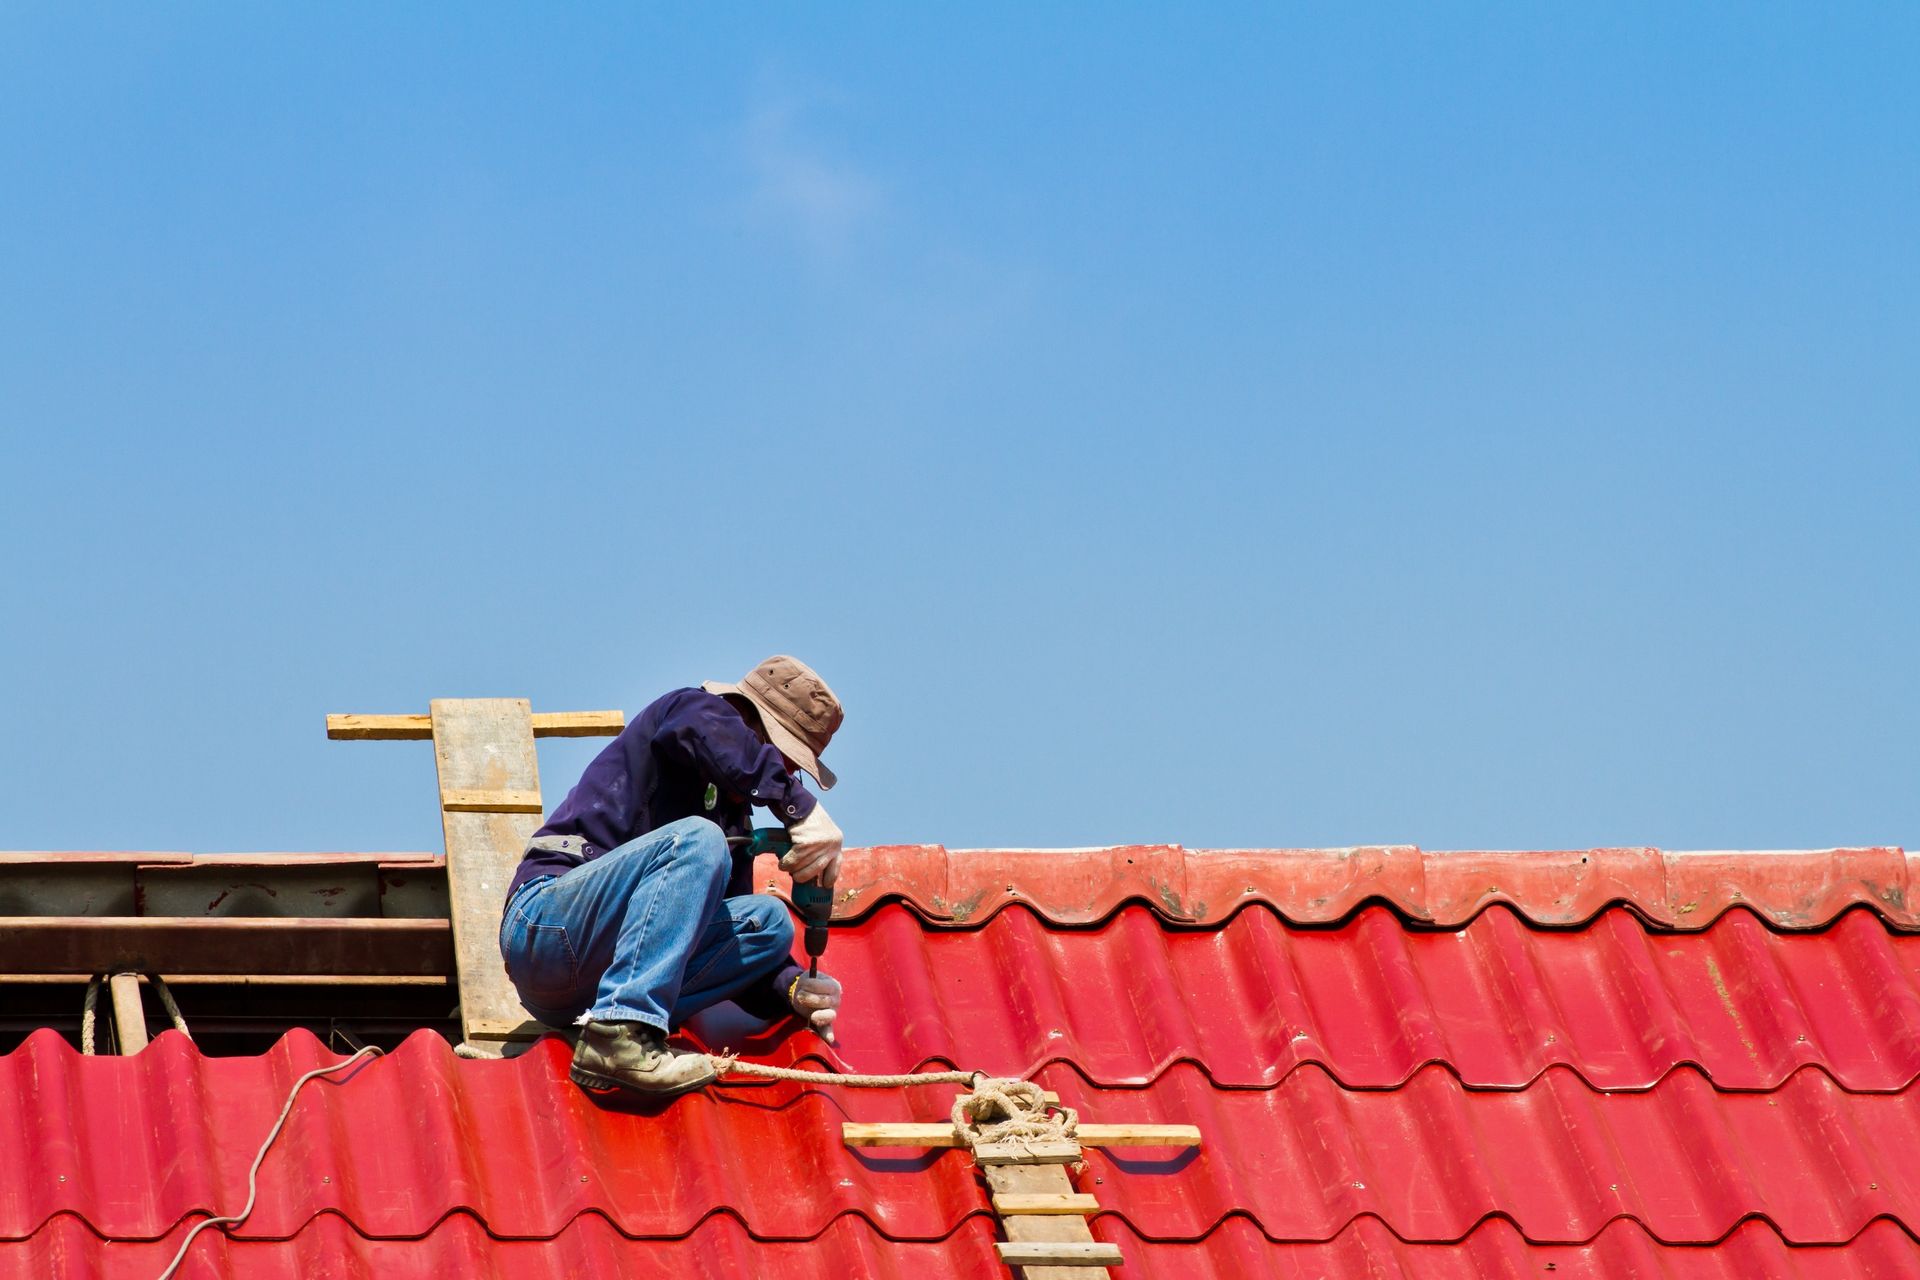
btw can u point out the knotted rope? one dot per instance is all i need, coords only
(998, 1110)
(1010, 1111)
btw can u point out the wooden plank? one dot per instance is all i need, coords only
(1008, 1181)
(1137, 1135)
(1027, 1153)
(483, 744)
(578, 724)
(861, 1133)
(129, 1019)
(886, 1134)
(359, 728)
(1046, 1203)
(240, 944)
(521, 1028)
(1058, 1253)
(473, 800)
(417, 728)
(1028, 1180)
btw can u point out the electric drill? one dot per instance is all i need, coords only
(814, 901)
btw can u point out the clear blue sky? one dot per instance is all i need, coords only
(1477, 429)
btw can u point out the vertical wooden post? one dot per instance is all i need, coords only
(129, 1019)
(484, 747)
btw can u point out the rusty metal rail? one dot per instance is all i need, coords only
(236, 944)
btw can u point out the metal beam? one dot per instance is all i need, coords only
(234, 944)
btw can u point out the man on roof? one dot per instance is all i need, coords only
(629, 913)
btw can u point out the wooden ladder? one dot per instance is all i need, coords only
(1044, 1218)
(489, 807)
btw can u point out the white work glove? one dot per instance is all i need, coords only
(816, 848)
(817, 999)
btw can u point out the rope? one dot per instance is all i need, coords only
(727, 1064)
(996, 1111)
(1010, 1111)
(166, 1001)
(87, 1015)
(253, 1174)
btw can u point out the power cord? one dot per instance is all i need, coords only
(253, 1174)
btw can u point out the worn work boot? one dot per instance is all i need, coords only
(634, 1055)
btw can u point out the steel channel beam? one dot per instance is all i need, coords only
(224, 944)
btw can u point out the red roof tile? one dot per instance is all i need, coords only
(1792, 889)
(1396, 1069)
(1495, 1001)
(408, 1139)
(587, 1248)
(328, 1248)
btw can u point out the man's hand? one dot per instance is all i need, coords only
(816, 848)
(817, 999)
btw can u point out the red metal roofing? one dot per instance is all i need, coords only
(1793, 889)
(1494, 1001)
(329, 1248)
(1725, 1090)
(421, 1134)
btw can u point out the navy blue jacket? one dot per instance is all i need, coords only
(659, 770)
(690, 747)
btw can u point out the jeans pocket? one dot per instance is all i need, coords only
(540, 960)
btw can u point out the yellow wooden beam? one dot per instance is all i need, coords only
(546, 724)
(129, 1019)
(1045, 1203)
(1058, 1253)
(478, 800)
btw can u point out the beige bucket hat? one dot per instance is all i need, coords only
(799, 712)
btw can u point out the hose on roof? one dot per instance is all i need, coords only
(995, 1111)
(253, 1174)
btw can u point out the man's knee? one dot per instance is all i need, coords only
(701, 843)
(771, 923)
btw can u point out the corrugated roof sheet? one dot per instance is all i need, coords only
(1792, 889)
(329, 1248)
(1495, 1001)
(1724, 1090)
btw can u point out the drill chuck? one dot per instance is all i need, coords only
(815, 904)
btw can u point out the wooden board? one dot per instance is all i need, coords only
(1015, 1203)
(1027, 1153)
(519, 1027)
(902, 1134)
(546, 724)
(473, 800)
(1080, 1254)
(1050, 1181)
(129, 1019)
(483, 744)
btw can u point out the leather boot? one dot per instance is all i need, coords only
(634, 1055)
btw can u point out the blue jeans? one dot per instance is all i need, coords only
(643, 933)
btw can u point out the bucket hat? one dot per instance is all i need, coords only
(799, 712)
